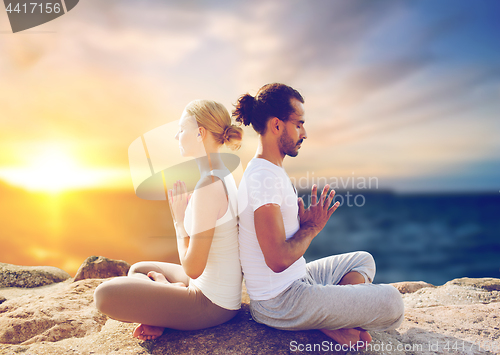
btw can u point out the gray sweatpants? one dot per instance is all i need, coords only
(318, 302)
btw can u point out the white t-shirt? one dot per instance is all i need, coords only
(221, 280)
(263, 183)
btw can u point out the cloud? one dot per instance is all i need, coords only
(305, 36)
(373, 78)
(369, 71)
(415, 103)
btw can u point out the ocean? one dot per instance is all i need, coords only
(428, 237)
(417, 237)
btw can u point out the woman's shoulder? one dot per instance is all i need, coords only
(208, 180)
(209, 186)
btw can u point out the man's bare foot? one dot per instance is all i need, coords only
(147, 332)
(352, 278)
(156, 276)
(365, 337)
(349, 336)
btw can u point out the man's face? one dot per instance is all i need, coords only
(294, 132)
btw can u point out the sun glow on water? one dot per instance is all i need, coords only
(54, 170)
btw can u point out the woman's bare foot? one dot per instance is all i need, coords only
(156, 276)
(147, 332)
(349, 337)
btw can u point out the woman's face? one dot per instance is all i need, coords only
(188, 135)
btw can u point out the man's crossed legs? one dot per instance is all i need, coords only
(326, 299)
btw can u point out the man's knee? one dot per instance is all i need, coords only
(366, 265)
(367, 259)
(393, 306)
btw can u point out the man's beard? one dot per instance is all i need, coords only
(288, 146)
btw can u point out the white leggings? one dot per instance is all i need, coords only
(318, 302)
(136, 298)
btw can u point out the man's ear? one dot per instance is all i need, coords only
(275, 125)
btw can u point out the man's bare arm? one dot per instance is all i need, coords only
(279, 252)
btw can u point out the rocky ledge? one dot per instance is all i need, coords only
(30, 276)
(460, 317)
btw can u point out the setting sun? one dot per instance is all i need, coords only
(54, 170)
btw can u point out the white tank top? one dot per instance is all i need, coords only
(221, 280)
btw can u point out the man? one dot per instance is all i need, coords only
(334, 294)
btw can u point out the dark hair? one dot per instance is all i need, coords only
(272, 100)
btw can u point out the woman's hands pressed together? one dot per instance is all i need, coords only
(194, 245)
(178, 199)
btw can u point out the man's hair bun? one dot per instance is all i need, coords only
(244, 109)
(272, 100)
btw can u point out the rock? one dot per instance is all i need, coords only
(113, 339)
(410, 286)
(465, 329)
(449, 319)
(30, 276)
(449, 294)
(488, 284)
(64, 314)
(2, 299)
(100, 268)
(242, 335)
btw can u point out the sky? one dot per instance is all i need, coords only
(407, 92)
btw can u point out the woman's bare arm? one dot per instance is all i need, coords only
(207, 203)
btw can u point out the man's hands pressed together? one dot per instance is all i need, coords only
(280, 252)
(314, 218)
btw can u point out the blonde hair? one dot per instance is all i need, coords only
(215, 118)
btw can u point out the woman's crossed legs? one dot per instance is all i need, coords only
(164, 299)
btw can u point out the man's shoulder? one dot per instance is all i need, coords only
(263, 167)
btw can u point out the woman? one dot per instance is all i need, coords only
(205, 290)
